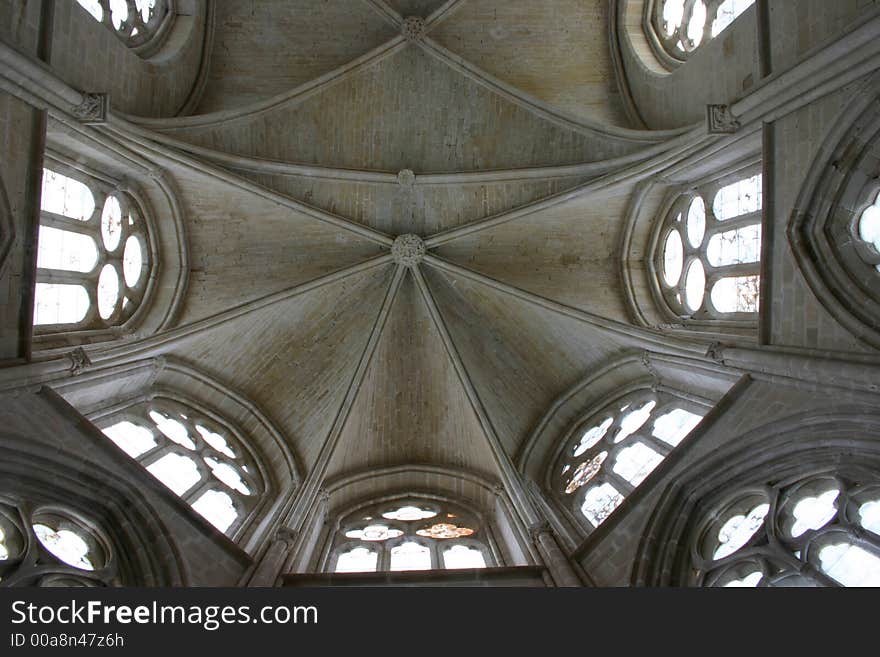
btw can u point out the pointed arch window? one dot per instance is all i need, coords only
(138, 23)
(611, 452)
(410, 535)
(195, 455)
(680, 27)
(708, 252)
(94, 255)
(819, 530)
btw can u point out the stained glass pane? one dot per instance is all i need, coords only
(673, 426)
(850, 565)
(673, 258)
(737, 294)
(727, 12)
(739, 198)
(636, 462)
(357, 560)
(134, 440)
(600, 502)
(462, 556)
(217, 508)
(410, 556)
(695, 286)
(66, 196)
(108, 291)
(66, 545)
(738, 530)
(177, 472)
(735, 246)
(66, 250)
(60, 304)
(592, 436)
(814, 512)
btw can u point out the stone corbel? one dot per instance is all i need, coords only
(721, 121)
(93, 109)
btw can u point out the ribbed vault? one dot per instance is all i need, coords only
(329, 129)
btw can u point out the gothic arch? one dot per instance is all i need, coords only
(660, 208)
(96, 394)
(141, 552)
(90, 158)
(800, 446)
(823, 233)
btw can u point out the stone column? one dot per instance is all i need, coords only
(269, 568)
(557, 563)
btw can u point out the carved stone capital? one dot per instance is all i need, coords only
(715, 352)
(92, 109)
(539, 528)
(79, 361)
(721, 120)
(408, 250)
(286, 535)
(413, 28)
(406, 178)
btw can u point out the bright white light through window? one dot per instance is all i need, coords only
(409, 513)
(869, 515)
(750, 581)
(217, 508)
(850, 565)
(739, 198)
(134, 440)
(600, 502)
(65, 250)
(66, 196)
(738, 530)
(672, 427)
(636, 462)
(357, 560)
(634, 420)
(68, 546)
(593, 436)
(462, 556)
(56, 303)
(410, 556)
(814, 512)
(177, 472)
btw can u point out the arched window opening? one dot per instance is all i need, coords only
(52, 546)
(612, 452)
(868, 234)
(709, 251)
(136, 22)
(682, 26)
(194, 455)
(93, 255)
(409, 535)
(821, 530)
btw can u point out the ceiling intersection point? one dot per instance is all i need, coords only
(408, 250)
(406, 178)
(413, 28)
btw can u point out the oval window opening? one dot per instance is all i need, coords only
(132, 261)
(111, 223)
(108, 291)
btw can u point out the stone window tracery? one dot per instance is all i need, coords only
(136, 22)
(51, 546)
(820, 530)
(194, 455)
(409, 535)
(93, 254)
(613, 451)
(709, 251)
(682, 26)
(867, 231)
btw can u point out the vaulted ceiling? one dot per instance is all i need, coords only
(295, 179)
